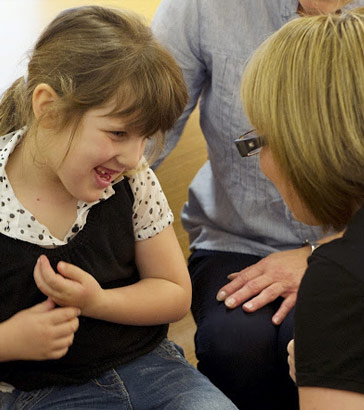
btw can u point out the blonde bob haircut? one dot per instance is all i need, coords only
(90, 56)
(303, 90)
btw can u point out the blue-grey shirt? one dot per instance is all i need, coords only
(231, 206)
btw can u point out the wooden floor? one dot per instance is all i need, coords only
(18, 32)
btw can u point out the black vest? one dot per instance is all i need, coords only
(105, 248)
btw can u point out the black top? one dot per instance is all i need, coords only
(105, 248)
(329, 318)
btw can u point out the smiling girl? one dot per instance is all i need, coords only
(91, 270)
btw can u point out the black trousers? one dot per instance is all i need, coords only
(243, 354)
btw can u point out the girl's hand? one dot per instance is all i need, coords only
(41, 332)
(70, 286)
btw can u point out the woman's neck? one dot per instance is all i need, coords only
(314, 11)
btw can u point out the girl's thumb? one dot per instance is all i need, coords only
(45, 306)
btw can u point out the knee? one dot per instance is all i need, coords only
(208, 398)
(237, 337)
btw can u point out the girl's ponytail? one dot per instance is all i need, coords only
(13, 107)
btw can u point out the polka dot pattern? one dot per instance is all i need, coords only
(151, 212)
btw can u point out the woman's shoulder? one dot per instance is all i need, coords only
(329, 326)
(333, 277)
(342, 256)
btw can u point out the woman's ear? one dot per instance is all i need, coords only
(43, 98)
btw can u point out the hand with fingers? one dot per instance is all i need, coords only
(291, 360)
(70, 286)
(278, 274)
(41, 332)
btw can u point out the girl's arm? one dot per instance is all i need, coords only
(163, 294)
(318, 398)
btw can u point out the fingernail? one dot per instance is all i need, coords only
(248, 305)
(221, 296)
(230, 302)
(229, 276)
(276, 320)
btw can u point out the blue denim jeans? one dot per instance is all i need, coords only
(162, 379)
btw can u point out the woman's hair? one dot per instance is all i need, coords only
(91, 55)
(303, 90)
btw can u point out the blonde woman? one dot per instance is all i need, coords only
(303, 91)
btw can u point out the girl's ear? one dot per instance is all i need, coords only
(43, 98)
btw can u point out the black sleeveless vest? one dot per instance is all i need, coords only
(105, 248)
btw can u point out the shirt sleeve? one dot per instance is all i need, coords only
(176, 25)
(151, 212)
(329, 328)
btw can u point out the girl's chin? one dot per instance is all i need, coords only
(87, 192)
(90, 197)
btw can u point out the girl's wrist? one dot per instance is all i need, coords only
(96, 307)
(6, 344)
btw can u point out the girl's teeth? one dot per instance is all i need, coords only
(103, 174)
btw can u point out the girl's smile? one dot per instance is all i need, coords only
(104, 176)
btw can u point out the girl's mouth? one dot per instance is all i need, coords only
(104, 176)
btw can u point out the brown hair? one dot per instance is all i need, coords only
(303, 90)
(90, 55)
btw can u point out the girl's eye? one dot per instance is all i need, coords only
(119, 133)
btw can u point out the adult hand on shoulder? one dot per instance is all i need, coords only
(38, 333)
(70, 286)
(278, 274)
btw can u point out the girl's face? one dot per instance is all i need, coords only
(102, 149)
(273, 172)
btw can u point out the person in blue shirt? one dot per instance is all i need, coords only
(246, 247)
